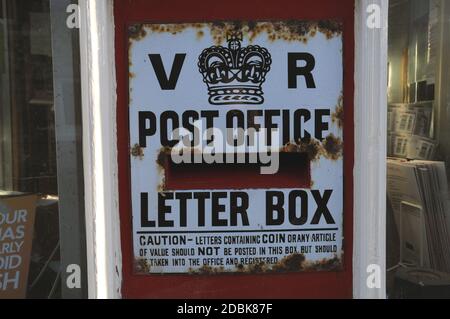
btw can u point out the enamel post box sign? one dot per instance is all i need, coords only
(236, 146)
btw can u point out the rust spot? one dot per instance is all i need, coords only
(137, 32)
(240, 268)
(333, 147)
(293, 30)
(207, 270)
(286, 31)
(141, 266)
(161, 159)
(290, 148)
(338, 115)
(293, 262)
(131, 75)
(332, 264)
(137, 151)
(310, 146)
(330, 27)
(256, 268)
(200, 34)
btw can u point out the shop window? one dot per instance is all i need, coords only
(42, 240)
(418, 210)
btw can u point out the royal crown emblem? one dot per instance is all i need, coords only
(235, 75)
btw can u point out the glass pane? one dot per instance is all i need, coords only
(418, 210)
(42, 238)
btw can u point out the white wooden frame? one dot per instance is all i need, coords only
(98, 79)
(100, 153)
(369, 229)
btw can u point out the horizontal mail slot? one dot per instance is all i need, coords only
(293, 172)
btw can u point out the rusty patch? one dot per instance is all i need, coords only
(161, 159)
(141, 266)
(333, 264)
(200, 34)
(338, 115)
(162, 186)
(310, 146)
(137, 151)
(137, 32)
(289, 31)
(290, 263)
(333, 147)
(207, 270)
(330, 27)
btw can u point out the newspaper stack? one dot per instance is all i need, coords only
(410, 131)
(419, 195)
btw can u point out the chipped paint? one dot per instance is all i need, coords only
(137, 32)
(161, 159)
(338, 116)
(333, 147)
(292, 263)
(333, 264)
(293, 30)
(141, 266)
(161, 164)
(207, 270)
(200, 34)
(137, 151)
(311, 147)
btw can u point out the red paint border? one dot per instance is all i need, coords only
(291, 285)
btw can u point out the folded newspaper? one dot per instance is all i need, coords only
(418, 191)
(410, 131)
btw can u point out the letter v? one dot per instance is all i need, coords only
(171, 82)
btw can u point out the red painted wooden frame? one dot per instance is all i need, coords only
(289, 285)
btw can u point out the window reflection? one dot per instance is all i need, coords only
(418, 220)
(40, 146)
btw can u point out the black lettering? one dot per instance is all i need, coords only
(145, 222)
(163, 210)
(269, 125)
(183, 197)
(187, 124)
(201, 197)
(294, 71)
(272, 207)
(144, 130)
(236, 209)
(320, 125)
(301, 116)
(165, 117)
(293, 219)
(218, 208)
(322, 208)
(210, 116)
(231, 116)
(286, 127)
(171, 82)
